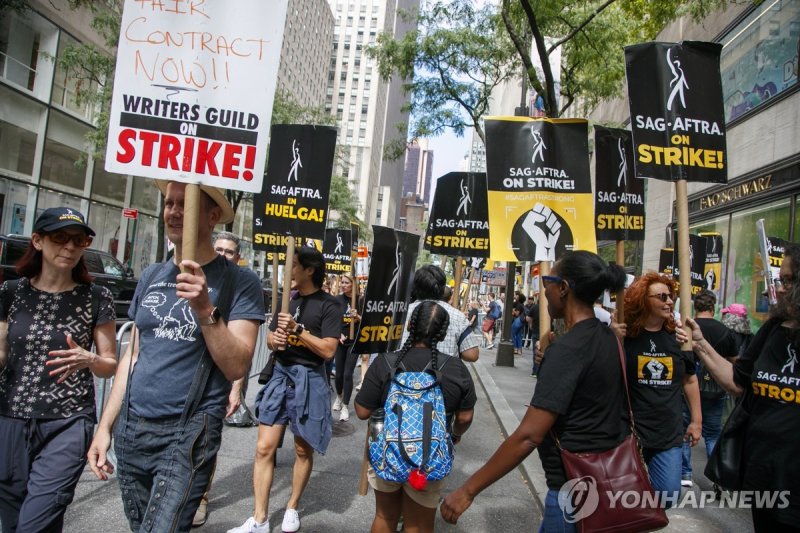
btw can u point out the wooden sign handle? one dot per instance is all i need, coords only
(685, 290)
(287, 274)
(191, 217)
(621, 293)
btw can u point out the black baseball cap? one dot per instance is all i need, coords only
(56, 218)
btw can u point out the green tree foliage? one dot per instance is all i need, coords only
(461, 52)
(449, 65)
(592, 34)
(93, 68)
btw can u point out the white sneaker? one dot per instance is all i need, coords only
(337, 404)
(686, 482)
(291, 521)
(251, 526)
(345, 414)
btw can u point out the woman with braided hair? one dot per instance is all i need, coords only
(426, 328)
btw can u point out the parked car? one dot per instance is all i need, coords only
(104, 267)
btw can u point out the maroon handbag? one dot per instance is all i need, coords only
(620, 469)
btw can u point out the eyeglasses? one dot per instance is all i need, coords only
(664, 296)
(556, 279)
(62, 237)
(784, 283)
(226, 253)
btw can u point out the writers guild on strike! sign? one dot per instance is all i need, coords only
(294, 199)
(677, 113)
(193, 89)
(459, 219)
(619, 196)
(222, 146)
(539, 188)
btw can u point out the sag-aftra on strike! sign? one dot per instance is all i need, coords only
(193, 91)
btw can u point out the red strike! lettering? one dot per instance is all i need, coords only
(213, 158)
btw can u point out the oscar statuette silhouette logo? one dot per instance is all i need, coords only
(622, 177)
(296, 162)
(678, 82)
(398, 255)
(465, 201)
(538, 147)
(339, 243)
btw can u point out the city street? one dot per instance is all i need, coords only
(331, 502)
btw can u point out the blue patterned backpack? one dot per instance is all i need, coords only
(414, 445)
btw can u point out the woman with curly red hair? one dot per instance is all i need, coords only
(658, 371)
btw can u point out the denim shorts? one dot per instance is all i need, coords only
(287, 415)
(163, 471)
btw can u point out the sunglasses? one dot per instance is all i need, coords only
(664, 296)
(62, 237)
(783, 283)
(556, 279)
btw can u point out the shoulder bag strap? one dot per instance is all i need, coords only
(96, 292)
(205, 364)
(625, 382)
(134, 338)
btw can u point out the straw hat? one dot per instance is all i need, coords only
(216, 194)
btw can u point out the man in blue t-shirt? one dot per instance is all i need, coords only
(170, 412)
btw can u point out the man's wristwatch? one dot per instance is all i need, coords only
(299, 329)
(211, 319)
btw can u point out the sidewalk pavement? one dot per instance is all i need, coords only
(510, 389)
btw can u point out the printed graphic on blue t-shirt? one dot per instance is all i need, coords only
(171, 341)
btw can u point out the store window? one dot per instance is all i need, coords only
(14, 201)
(66, 88)
(759, 57)
(144, 234)
(105, 220)
(108, 186)
(25, 41)
(745, 284)
(49, 198)
(719, 225)
(21, 120)
(63, 164)
(145, 195)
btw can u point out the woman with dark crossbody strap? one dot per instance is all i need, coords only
(579, 397)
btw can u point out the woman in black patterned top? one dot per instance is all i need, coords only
(48, 321)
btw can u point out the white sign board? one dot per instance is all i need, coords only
(193, 90)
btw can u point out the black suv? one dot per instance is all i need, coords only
(104, 268)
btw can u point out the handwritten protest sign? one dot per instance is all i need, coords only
(193, 91)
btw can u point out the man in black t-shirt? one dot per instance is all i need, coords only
(297, 394)
(712, 395)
